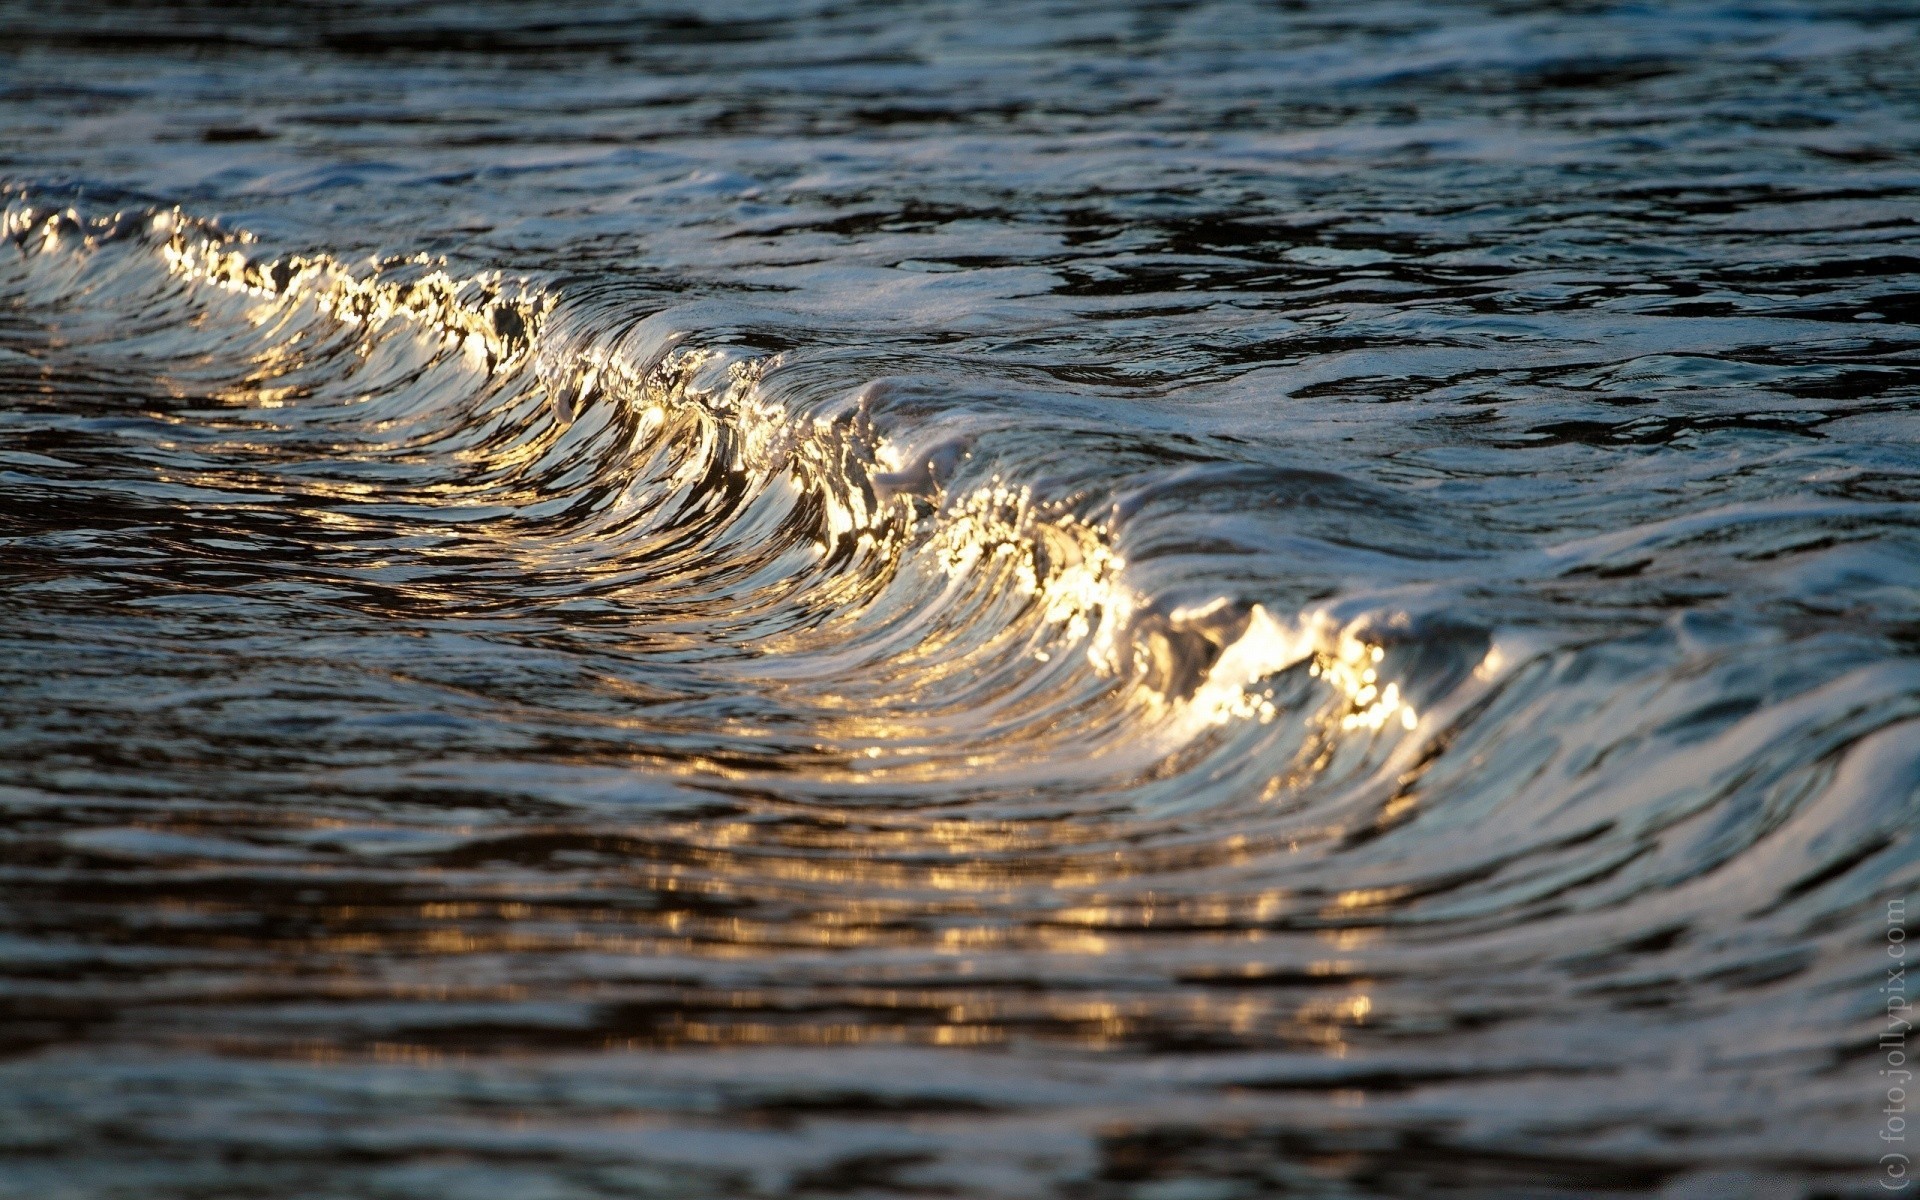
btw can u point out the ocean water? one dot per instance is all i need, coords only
(1117, 602)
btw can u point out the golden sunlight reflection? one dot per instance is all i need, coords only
(973, 631)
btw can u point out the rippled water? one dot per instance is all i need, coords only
(1173, 602)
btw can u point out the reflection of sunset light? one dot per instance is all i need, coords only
(1067, 565)
(475, 312)
(1348, 664)
(1491, 665)
(1353, 668)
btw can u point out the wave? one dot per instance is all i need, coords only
(1181, 745)
(635, 442)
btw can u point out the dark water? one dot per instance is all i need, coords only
(1173, 602)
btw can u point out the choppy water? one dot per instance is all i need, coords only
(1166, 602)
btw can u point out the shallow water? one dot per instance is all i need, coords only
(1174, 601)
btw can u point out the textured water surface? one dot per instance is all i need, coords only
(1166, 602)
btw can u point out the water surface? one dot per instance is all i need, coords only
(1149, 602)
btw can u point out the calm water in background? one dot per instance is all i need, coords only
(1166, 602)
